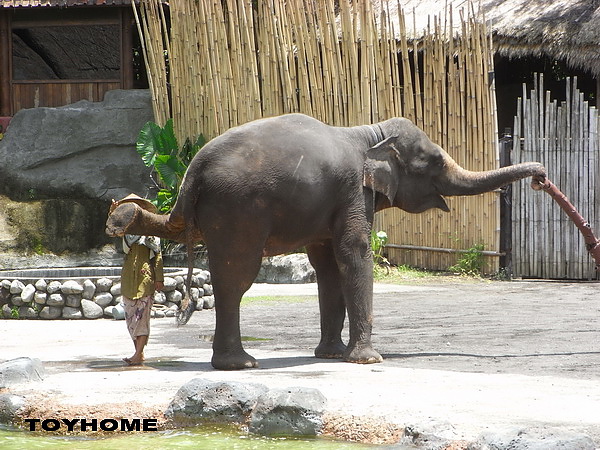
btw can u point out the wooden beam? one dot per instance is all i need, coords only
(126, 47)
(5, 64)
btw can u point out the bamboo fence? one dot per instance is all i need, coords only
(227, 62)
(564, 137)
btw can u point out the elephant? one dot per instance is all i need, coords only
(277, 184)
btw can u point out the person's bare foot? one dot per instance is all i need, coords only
(134, 361)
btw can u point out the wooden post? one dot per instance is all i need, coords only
(126, 46)
(5, 64)
(506, 143)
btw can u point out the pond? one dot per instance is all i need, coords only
(213, 437)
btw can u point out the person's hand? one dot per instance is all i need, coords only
(159, 285)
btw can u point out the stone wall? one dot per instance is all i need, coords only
(57, 295)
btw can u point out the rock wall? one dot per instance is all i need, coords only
(62, 166)
(93, 297)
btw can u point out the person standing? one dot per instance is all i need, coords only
(141, 276)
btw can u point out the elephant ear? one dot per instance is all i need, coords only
(381, 169)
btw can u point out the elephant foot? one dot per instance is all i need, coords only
(330, 350)
(233, 361)
(362, 355)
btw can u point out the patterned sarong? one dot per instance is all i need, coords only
(137, 315)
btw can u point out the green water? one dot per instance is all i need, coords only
(216, 438)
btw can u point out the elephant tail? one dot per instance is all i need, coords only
(188, 304)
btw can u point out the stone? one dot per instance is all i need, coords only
(169, 284)
(55, 300)
(295, 411)
(170, 313)
(40, 297)
(198, 280)
(294, 268)
(104, 284)
(27, 312)
(159, 313)
(91, 310)
(103, 299)
(10, 404)
(208, 301)
(196, 293)
(16, 287)
(27, 293)
(115, 290)
(208, 289)
(71, 313)
(118, 312)
(180, 282)
(108, 311)
(73, 300)
(98, 131)
(7, 312)
(53, 287)
(201, 400)
(50, 312)
(41, 285)
(160, 298)
(20, 370)
(199, 305)
(71, 287)
(16, 300)
(174, 297)
(89, 289)
(5, 284)
(535, 439)
(206, 275)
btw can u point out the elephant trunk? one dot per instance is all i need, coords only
(459, 181)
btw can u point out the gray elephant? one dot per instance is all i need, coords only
(274, 185)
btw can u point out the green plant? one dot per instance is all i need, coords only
(158, 148)
(471, 262)
(378, 241)
(14, 312)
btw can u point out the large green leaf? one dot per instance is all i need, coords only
(148, 142)
(169, 169)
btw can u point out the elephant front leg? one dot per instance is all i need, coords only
(331, 300)
(355, 263)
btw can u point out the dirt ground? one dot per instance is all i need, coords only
(461, 358)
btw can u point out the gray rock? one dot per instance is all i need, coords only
(208, 289)
(159, 313)
(73, 300)
(174, 297)
(201, 400)
(206, 275)
(71, 313)
(27, 312)
(55, 300)
(160, 298)
(16, 300)
(170, 313)
(71, 287)
(198, 280)
(41, 285)
(118, 312)
(5, 284)
(294, 268)
(103, 132)
(180, 282)
(115, 290)
(89, 289)
(20, 370)
(169, 284)
(91, 310)
(104, 284)
(533, 439)
(50, 312)
(53, 287)
(296, 411)
(7, 312)
(208, 301)
(27, 293)
(108, 311)
(16, 287)
(103, 299)
(10, 404)
(40, 297)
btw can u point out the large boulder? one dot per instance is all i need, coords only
(294, 268)
(62, 166)
(20, 370)
(83, 150)
(10, 404)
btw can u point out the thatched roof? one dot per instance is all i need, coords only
(561, 29)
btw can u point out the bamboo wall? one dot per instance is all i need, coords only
(564, 137)
(232, 61)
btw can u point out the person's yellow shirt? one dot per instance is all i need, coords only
(140, 272)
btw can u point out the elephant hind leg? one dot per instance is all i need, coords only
(331, 301)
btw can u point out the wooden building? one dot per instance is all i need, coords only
(56, 52)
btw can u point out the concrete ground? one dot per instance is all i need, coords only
(461, 358)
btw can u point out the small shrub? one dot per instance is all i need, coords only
(470, 263)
